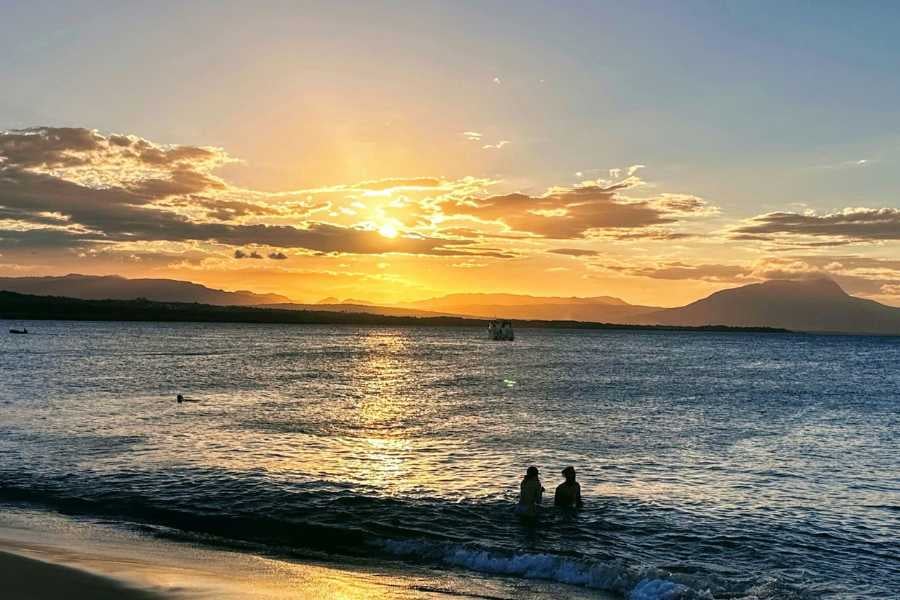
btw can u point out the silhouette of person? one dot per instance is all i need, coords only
(530, 493)
(568, 493)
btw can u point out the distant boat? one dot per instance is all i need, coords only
(501, 331)
(23, 330)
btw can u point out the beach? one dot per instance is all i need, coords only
(33, 579)
(45, 555)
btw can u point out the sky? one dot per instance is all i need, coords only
(396, 151)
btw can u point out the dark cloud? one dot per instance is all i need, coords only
(568, 213)
(863, 224)
(226, 210)
(131, 211)
(48, 146)
(42, 239)
(467, 232)
(650, 234)
(682, 203)
(56, 147)
(278, 256)
(117, 214)
(700, 272)
(180, 183)
(850, 261)
(573, 252)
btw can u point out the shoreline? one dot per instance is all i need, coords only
(24, 307)
(53, 556)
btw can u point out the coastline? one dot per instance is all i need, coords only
(23, 307)
(52, 556)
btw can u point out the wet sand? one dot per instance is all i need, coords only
(31, 579)
(49, 556)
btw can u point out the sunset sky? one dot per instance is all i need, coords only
(655, 151)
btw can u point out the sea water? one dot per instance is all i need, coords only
(713, 465)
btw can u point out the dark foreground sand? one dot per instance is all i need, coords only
(31, 579)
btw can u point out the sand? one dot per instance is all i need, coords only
(47, 555)
(31, 579)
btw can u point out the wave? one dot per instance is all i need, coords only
(352, 525)
(617, 577)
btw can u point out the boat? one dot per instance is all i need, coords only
(18, 330)
(501, 330)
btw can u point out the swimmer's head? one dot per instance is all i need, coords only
(179, 398)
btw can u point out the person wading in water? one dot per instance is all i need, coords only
(568, 493)
(530, 492)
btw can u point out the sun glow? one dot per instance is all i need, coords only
(388, 230)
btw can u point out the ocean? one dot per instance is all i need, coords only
(712, 465)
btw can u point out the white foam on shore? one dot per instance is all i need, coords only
(658, 589)
(612, 576)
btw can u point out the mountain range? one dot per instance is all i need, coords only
(112, 287)
(815, 305)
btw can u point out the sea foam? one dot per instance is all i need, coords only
(612, 576)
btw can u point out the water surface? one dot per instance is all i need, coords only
(719, 465)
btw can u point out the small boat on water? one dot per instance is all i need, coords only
(501, 331)
(21, 331)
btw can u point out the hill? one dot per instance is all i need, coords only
(373, 309)
(817, 305)
(21, 308)
(113, 287)
(601, 309)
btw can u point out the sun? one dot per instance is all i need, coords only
(388, 230)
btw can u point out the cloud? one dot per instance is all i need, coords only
(650, 234)
(71, 190)
(472, 136)
(573, 252)
(847, 164)
(571, 213)
(496, 146)
(851, 225)
(101, 188)
(389, 184)
(86, 155)
(684, 203)
(679, 270)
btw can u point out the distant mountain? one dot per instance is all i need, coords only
(331, 301)
(111, 287)
(371, 309)
(25, 309)
(512, 300)
(602, 309)
(817, 305)
(808, 305)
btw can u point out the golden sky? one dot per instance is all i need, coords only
(79, 200)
